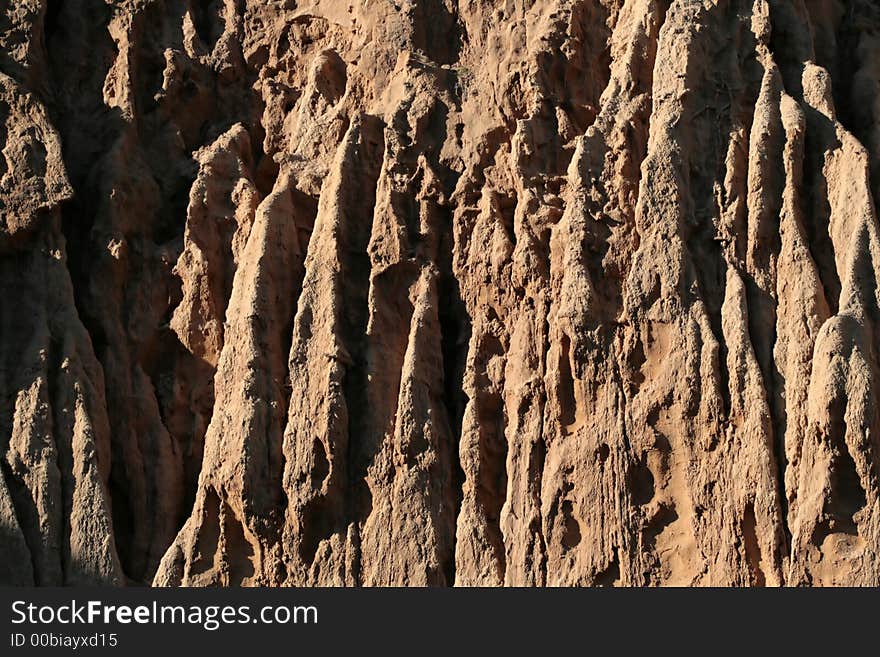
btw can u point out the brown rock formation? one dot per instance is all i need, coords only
(440, 292)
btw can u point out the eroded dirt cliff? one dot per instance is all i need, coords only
(426, 292)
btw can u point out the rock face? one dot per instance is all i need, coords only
(438, 292)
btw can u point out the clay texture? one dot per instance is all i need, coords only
(438, 292)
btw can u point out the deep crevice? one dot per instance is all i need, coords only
(455, 333)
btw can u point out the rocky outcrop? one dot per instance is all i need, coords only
(564, 292)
